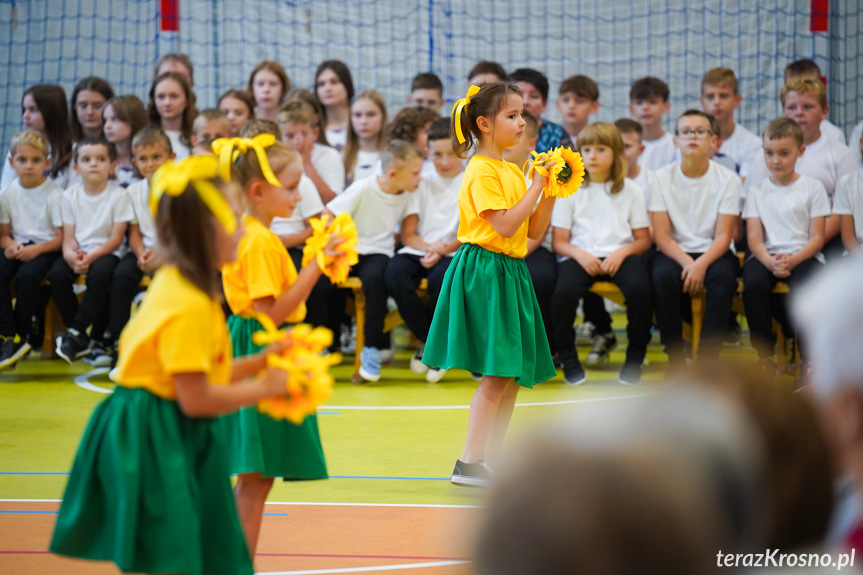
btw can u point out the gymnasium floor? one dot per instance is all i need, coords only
(390, 447)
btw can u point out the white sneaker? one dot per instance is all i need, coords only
(434, 375)
(417, 365)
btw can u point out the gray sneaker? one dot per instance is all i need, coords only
(602, 346)
(585, 334)
(471, 474)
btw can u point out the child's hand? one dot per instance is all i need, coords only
(274, 381)
(591, 264)
(539, 179)
(438, 248)
(612, 263)
(693, 277)
(277, 347)
(331, 249)
(26, 253)
(782, 265)
(430, 260)
(12, 250)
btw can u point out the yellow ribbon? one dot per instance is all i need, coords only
(174, 178)
(224, 149)
(457, 110)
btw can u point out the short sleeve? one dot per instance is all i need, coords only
(750, 206)
(261, 272)
(5, 211)
(638, 217)
(185, 342)
(846, 164)
(729, 203)
(656, 203)
(347, 201)
(123, 211)
(310, 201)
(67, 209)
(842, 204)
(331, 169)
(54, 215)
(820, 204)
(561, 214)
(487, 194)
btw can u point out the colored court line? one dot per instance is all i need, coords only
(313, 503)
(366, 569)
(21, 511)
(330, 477)
(442, 407)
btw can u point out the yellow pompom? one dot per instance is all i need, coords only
(334, 267)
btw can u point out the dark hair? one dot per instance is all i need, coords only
(487, 67)
(487, 102)
(96, 141)
(93, 84)
(185, 228)
(275, 68)
(802, 67)
(700, 113)
(241, 95)
(784, 128)
(440, 129)
(533, 77)
(51, 101)
(176, 57)
(427, 81)
(580, 85)
(409, 122)
(644, 88)
(341, 70)
(129, 108)
(189, 113)
(629, 126)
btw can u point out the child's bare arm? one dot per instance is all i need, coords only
(70, 245)
(849, 234)
(410, 237)
(813, 246)
(198, 398)
(136, 240)
(540, 219)
(832, 228)
(506, 222)
(118, 231)
(6, 236)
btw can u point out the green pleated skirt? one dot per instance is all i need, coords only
(150, 490)
(259, 443)
(487, 319)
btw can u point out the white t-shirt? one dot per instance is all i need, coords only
(93, 216)
(337, 138)
(180, 149)
(139, 196)
(125, 176)
(849, 200)
(328, 162)
(33, 212)
(855, 145)
(743, 147)
(657, 153)
(833, 131)
(310, 206)
(694, 204)
(646, 180)
(825, 159)
(368, 164)
(376, 214)
(437, 207)
(600, 222)
(785, 212)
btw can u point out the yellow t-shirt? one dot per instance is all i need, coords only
(490, 185)
(178, 329)
(263, 268)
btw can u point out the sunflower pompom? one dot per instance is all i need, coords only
(334, 267)
(565, 177)
(309, 382)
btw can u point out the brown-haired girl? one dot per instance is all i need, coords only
(150, 488)
(85, 106)
(487, 319)
(239, 107)
(334, 89)
(124, 116)
(602, 232)
(172, 108)
(268, 84)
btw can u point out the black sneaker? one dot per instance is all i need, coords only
(602, 346)
(630, 373)
(99, 355)
(71, 346)
(11, 352)
(476, 376)
(573, 373)
(470, 474)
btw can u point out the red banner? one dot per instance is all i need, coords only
(819, 21)
(170, 16)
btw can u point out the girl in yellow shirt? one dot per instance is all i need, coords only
(263, 279)
(150, 487)
(487, 319)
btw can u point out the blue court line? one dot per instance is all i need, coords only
(331, 476)
(329, 413)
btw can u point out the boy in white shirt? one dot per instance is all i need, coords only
(321, 164)
(577, 100)
(785, 217)
(378, 205)
(806, 68)
(427, 92)
(848, 205)
(429, 238)
(694, 208)
(630, 133)
(210, 124)
(648, 103)
(31, 233)
(95, 216)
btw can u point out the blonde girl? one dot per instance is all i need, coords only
(366, 136)
(487, 319)
(602, 233)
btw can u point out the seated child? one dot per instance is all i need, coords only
(429, 238)
(534, 89)
(378, 204)
(648, 102)
(31, 234)
(321, 164)
(601, 232)
(426, 92)
(211, 124)
(95, 215)
(806, 68)
(411, 124)
(630, 133)
(578, 98)
(485, 71)
(694, 208)
(785, 217)
(848, 205)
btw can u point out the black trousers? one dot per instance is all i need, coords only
(720, 282)
(632, 278)
(542, 266)
(27, 278)
(762, 305)
(317, 306)
(98, 281)
(370, 269)
(125, 286)
(403, 276)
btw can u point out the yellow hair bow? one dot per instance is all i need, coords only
(174, 178)
(457, 110)
(225, 149)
